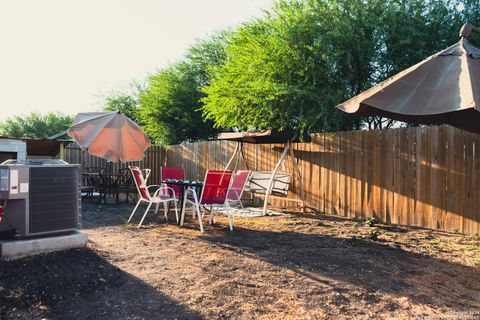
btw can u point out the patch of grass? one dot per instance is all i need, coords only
(458, 239)
(436, 244)
(372, 221)
(472, 247)
(295, 223)
(373, 234)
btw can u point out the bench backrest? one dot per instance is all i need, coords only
(259, 180)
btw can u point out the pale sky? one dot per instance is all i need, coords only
(65, 55)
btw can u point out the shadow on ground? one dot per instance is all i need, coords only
(375, 266)
(96, 215)
(79, 284)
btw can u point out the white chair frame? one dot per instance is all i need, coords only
(155, 198)
(239, 196)
(196, 206)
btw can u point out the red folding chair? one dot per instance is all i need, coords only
(173, 173)
(235, 191)
(214, 194)
(162, 195)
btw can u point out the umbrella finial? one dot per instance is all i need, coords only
(467, 28)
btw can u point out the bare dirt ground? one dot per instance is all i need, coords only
(282, 267)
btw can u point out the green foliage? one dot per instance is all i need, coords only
(124, 103)
(371, 222)
(290, 68)
(412, 30)
(35, 125)
(169, 107)
(276, 75)
(374, 233)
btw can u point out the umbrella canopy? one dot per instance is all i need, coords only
(444, 88)
(109, 135)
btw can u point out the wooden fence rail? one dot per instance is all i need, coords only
(428, 177)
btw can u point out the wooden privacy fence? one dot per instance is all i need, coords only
(428, 177)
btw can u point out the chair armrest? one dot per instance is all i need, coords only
(236, 193)
(153, 185)
(164, 188)
(194, 193)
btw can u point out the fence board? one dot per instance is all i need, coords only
(377, 173)
(460, 195)
(468, 217)
(476, 193)
(323, 173)
(388, 175)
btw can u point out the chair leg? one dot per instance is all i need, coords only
(182, 218)
(165, 208)
(215, 214)
(197, 207)
(193, 213)
(135, 209)
(230, 224)
(145, 214)
(176, 210)
(240, 203)
(211, 216)
(156, 207)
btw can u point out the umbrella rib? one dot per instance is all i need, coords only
(95, 132)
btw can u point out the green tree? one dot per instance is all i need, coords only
(290, 68)
(169, 106)
(124, 103)
(35, 125)
(279, 74)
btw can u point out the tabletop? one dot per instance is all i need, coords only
(192, 183)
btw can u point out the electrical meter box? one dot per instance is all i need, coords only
(39, 197)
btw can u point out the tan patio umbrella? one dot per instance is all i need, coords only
(109, 135)
(444, 88)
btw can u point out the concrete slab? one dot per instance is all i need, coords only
(14, 249)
